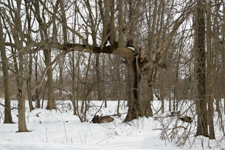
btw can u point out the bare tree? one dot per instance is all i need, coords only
(29, 40)
(134, 59)
(8, 116)
(202, 110)
(209, 76)
(47, 51)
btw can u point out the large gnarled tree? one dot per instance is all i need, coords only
(136, 61)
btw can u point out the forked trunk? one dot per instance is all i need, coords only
(139, 104)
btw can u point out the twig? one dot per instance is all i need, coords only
(37, 115)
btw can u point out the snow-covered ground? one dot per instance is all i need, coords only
(61, 130)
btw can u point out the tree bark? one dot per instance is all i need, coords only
(134, 110)
(38, 103)
(99, 83)
(62, 60)
(8, 116)
(51, 101)
(139, 105)
(85, 88)
(21, 80)
(29, 83)
(201, 58)
(104, 83)
(28, 18)
(209, 76)
(21, 105)
(21, 94)
(223, 59)
(74, 84)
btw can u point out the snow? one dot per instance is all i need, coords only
(107, 43)
(64, 92)
(132, 48)
(61, 130)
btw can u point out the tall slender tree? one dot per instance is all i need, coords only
(209, 75)
(8, 116)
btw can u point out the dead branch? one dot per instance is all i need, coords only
(37, 115)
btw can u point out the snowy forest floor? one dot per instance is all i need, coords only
(61, 130)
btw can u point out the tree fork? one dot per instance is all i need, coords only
(134, 110)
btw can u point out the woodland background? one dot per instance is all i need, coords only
(113, 50)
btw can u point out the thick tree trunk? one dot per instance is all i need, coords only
(21, 80)
(21, 109)
(202, 110)
(139, 104)
(145, 93)
(134, 110)
(21, 96)
(145, 96)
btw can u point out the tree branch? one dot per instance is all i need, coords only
(46, 69)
